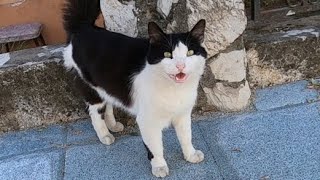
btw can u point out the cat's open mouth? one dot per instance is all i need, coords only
(179, 78)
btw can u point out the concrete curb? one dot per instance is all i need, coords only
(36, 90)
(281, 57)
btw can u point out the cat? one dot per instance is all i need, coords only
(153, 79)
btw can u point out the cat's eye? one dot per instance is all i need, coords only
(167, 54)
(190, 53)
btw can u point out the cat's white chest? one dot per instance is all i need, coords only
(163, 97)
(174, 99)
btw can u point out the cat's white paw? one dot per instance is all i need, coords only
(108, 139)
(196, 157)
(117, 128)
(162, 171)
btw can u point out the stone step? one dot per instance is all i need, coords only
(37, 91)
(281, 54)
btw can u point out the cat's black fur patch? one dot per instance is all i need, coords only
(101, 111)
(89, 94)
(150, 155)
(112, 65)
(167, 44)
(110, 60)
(161, 42)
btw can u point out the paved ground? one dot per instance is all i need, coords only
(279, 140)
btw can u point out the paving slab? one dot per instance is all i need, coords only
(127, 159)
(44, 166)
(284, 95)
(281, 144)
(15, 143)
(81, 132)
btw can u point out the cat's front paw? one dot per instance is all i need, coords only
(117, 128)
(107, 139)
(196, 157)
(162, 171)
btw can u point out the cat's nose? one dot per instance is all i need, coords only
(180, 66)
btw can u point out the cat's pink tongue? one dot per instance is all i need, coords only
(181, 77)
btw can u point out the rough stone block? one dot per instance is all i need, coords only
(226, 21)
(120, 16)
(227, 98)
(164, 7)
(230, 66)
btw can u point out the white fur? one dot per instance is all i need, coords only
(111, 100)
(158, 102)
(194, 65)
(99, 125)
(111, 121)
(68, 59)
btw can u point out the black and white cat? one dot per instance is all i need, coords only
(154, 79)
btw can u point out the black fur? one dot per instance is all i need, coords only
(78, 13)
(101, 111)
(169, 42)
(109, 60)
(150, 155)
(89, 94)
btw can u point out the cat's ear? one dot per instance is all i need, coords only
(198, 30)
(155, 32)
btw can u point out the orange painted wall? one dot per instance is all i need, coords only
(47, 12)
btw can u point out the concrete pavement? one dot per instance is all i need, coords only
(277, 140)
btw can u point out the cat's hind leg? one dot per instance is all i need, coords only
(111, 121)
(96, 108)
(96, 112)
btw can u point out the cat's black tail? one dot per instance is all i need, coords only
(79, 14)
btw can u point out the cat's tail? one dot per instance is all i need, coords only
(79, 14)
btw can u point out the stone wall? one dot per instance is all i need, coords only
(225, 84)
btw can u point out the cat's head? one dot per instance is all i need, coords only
(180, 56)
